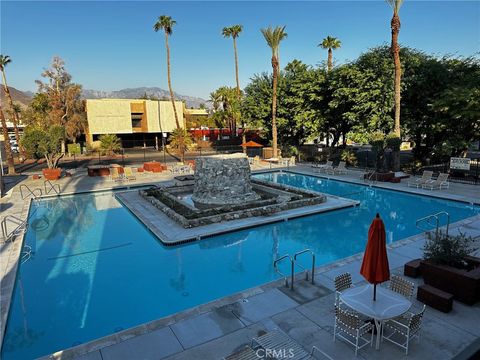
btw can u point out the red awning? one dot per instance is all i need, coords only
(251, 144)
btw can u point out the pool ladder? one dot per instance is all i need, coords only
(436, 218)
(293, 261)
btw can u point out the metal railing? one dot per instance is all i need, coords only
(435, 217)
(282, 274)
(52, 187)
(30, 192)
(26, 253)
(302, 267)
(7, 236)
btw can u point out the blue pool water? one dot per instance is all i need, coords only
(97, 270)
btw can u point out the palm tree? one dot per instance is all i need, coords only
(273, 36)
(395, 48)
(6, 141)
(233, 32)
(166, 23)
(330, 43)
(4, 61)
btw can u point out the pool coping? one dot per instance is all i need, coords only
(148, 327)
(10, 282)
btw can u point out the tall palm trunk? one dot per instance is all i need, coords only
(395, 26)
(274, 105)
(12, 108)
(172, 98)
(8, 148)
(236, 78)
(330, 60)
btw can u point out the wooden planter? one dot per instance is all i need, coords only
(463, 284)
(52, 174)
(382, 177)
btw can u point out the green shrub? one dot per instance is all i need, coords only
(39, 143)
(349, 157)
(393, 142)
(109, 144)
(448, 250)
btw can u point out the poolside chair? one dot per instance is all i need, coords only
(340, 169)
(350, 328)
(115, 174)
(402, 286)
(441, 182)
(342, 282)
(406, 327)
(323, 167)
(426, 176)
(293, 160)
(128, 173)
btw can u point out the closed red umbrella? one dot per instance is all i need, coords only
(375, 267)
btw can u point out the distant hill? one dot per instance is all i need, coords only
(20, 97)
(135, 93)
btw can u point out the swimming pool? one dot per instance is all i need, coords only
(97, 270)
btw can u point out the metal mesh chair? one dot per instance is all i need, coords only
(406, 327)
(402, 286)
(342, 282)
(350, 328)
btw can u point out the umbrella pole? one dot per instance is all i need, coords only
(374, 292)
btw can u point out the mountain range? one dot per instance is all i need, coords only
(24, 97)
(136, 93)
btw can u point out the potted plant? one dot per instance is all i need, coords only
(448, 266)
(46, 143)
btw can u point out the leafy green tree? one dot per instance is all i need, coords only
(39, 142)
(226, 107)
(331, 43)
(110, 143)
(273, 37)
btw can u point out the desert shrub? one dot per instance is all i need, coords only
(349, 157)
(109, 144)
(447, 249)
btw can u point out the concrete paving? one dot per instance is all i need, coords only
(216, 329)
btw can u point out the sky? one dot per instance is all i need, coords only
(111, 45)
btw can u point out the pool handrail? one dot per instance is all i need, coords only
(30, 192)
(52, 187)
(282, 274)
(435, 216)
(313, 263)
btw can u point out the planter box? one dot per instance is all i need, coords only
(52, 174)
(464, 285)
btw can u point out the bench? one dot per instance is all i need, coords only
(412, 268)
(435, 298)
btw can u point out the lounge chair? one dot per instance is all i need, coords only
(323, 167)
(128, 173)
(115, 174)
(441, 182)
(293, 160)
(407, 326)
(340, 169)
(426, 176)
(350, 328)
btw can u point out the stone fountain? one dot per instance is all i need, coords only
(223, 180)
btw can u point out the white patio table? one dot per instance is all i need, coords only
(388, 305)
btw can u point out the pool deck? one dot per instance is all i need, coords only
(218, 328)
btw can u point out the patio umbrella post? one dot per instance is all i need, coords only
(374, 292)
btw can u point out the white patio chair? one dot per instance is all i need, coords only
(406, 327)
(342, 283)
(426, 176)
(441, 182)
(340, 169)
(402, 286)
(323, 167)
(350, 328)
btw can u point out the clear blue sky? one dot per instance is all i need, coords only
(111, 45)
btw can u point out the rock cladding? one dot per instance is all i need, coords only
(223, 179)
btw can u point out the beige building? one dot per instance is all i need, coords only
(134, 121)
